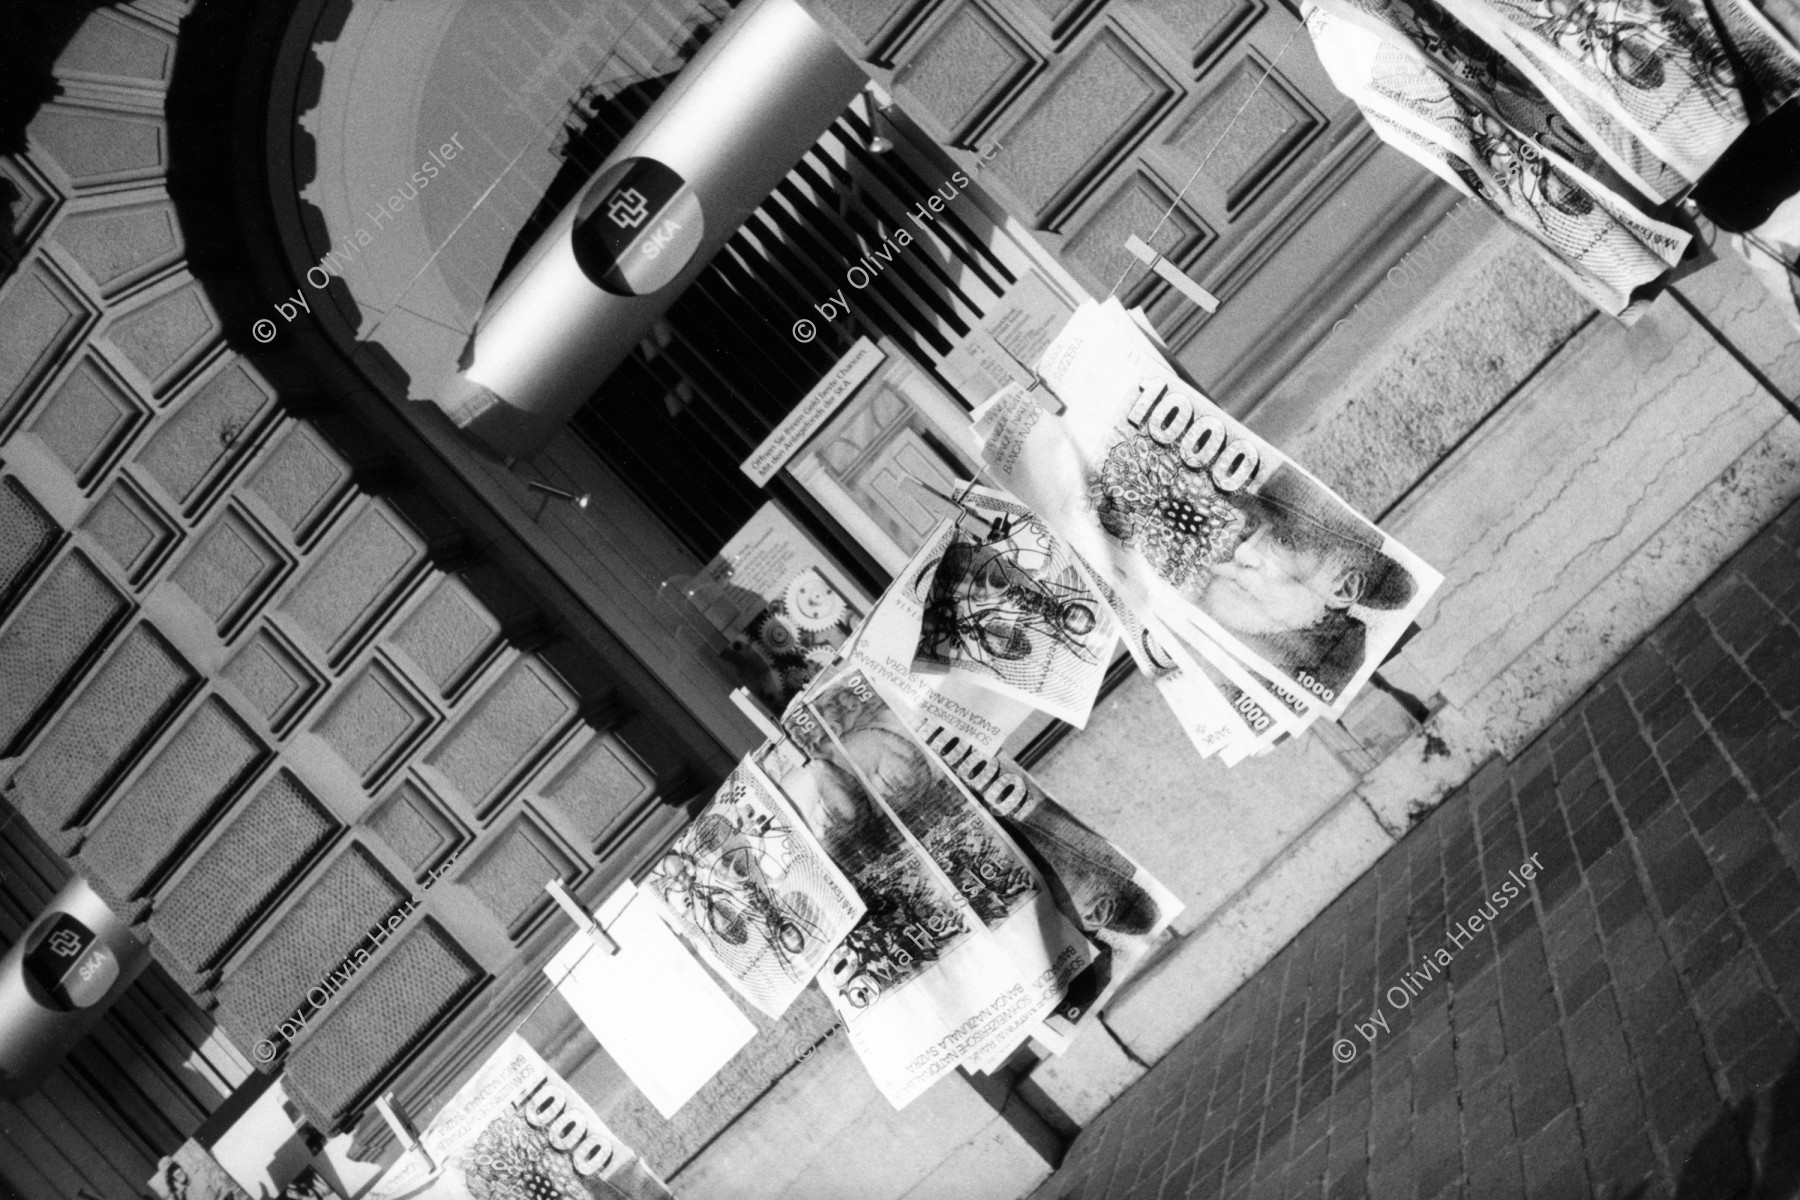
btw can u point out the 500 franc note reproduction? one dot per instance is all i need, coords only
(1002, 886)
(919, 980)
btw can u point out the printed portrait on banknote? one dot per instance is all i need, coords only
(1206, 523)
(920, 983)
(1044, 949)
(871, 739)
(913, 915)
(1279, 562)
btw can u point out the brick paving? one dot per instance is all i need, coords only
(1627, 1028)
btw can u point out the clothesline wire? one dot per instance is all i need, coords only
(588, 946)
(1219, 141)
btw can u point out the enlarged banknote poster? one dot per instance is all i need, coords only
(1260, 712)
(1194, 516)
(918, 983)
(1106, 893)
(1533, 169)
(1006, 606)
(1001, 884)
(888, 639)
(1681, 80)
(517, 1131)
(751, 890)
(1220, 704)
(192, 1173)
(1218, 716)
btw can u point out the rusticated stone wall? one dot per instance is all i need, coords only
(254, 681)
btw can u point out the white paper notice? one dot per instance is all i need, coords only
(657, 1011)
(814, 409)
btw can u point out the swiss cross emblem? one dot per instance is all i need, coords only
(627, 208)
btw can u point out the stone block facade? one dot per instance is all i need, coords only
(253, 681)
(1211, 131)
(266, 686)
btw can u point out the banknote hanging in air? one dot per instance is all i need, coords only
(885, 646)
(919, 981)
(517, 1128)
(1103, 891)
(1004, 889)
(1251, 578)
(750, 888)
(1003, 603)
(1573, 121)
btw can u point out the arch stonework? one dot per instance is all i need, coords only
(262, 682)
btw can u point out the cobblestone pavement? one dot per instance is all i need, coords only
(1625, 1027)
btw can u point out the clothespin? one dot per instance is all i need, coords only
(580, 916)
(753, 709)
(404, 1133)
(960, 501)
(1047, 399)
(996, 526)
(955, 501)
(968, 487)
(763, 719)
(1174, 274)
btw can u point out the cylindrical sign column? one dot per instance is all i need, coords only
(58, 980)
(711, 149)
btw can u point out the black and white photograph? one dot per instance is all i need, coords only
(900, 599)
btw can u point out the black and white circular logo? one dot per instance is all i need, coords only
(637, 227)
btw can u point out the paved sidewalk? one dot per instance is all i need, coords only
(1625, 1027)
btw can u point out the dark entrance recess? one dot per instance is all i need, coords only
(723, 368)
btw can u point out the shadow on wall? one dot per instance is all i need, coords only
(598, 122)
(595, 123)
(235, 250)
(1754, 1145)
(1750, 1152)
(36, 36)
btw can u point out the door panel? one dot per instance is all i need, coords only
(1206, 127)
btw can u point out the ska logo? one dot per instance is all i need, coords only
(628, 208)
(637, 227)
(664, 234)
